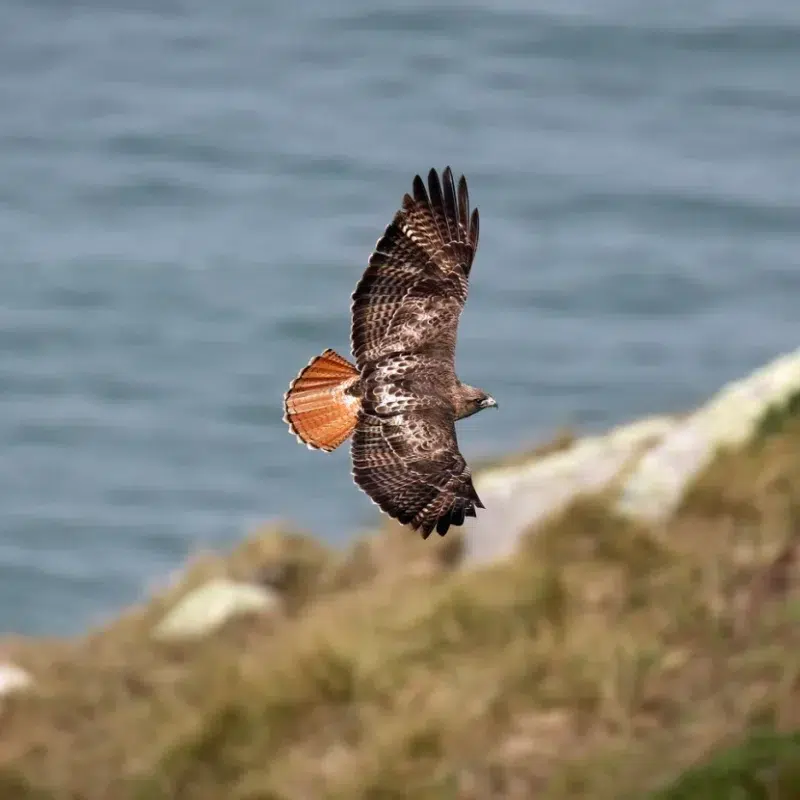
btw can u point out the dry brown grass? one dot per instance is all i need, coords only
(601, 662)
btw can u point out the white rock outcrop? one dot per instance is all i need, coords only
(655, 488)
(13, 679)
(517, 497)
(650, 463)
(211, 605)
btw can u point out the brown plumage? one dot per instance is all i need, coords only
(402, 398)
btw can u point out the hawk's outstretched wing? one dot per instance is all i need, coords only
(405, 311)
(409, 464)
(411, 294)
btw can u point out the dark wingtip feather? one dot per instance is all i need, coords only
(450, 205)
(437, 205)
(405, 517)
(434, 187)
(463, 209)
(420, 194)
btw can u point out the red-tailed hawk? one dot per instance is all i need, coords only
(401, 399)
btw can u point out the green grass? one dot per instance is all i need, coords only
(603, 661)
(765, 767)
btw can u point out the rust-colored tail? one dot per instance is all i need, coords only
(318, 407)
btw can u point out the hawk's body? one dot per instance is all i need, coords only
(401, 399)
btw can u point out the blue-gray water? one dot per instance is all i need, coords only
(189, 192)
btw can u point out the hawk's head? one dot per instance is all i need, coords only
(472, 400)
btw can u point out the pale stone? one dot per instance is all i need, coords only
(211, 605)
(656, 486)
(519, 496)
(13, 679)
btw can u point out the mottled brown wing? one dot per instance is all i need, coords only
(414, 288)
(410, 465)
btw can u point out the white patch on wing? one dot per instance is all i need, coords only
(395, 367)
(350, 400)
(411, 233)
(412, 334)
(390, 397)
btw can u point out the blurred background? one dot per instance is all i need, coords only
(189, 192)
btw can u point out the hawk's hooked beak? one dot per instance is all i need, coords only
(489, 402)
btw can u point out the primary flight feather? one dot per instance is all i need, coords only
(401, 399)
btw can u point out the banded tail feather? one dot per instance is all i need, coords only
(321, 406)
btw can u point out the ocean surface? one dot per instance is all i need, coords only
(189, 192)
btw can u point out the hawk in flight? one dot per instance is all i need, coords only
(401, 399)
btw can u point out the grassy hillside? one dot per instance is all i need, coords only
(604, 661)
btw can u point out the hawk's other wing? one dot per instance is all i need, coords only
(410, 465)
(414, 288)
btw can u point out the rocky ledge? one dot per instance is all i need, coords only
(647, 465)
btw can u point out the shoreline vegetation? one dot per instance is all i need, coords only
(609, 657)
